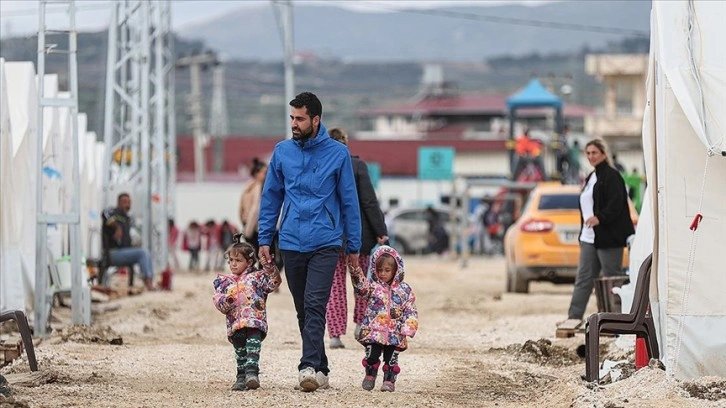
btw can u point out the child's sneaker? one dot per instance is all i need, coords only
(369, 381)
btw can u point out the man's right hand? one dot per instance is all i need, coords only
(264, 254)
(118, 234)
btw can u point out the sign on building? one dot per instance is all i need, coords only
(436, 163)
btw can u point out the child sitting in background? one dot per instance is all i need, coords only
(390, 316)
(242, 296)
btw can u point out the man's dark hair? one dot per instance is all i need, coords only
(122, 195)
(310, 101)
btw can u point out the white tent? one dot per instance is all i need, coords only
(684, 137)
(20, 200)
(11, 285)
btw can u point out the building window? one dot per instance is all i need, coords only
(624, 98)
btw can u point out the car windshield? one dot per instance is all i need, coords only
(559, 202)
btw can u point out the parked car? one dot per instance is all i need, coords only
(543, 244)
(408, 228)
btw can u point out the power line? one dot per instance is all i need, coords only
(516, 21)
(34, 12)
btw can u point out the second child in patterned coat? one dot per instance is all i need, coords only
(390, 317)
(242, 297)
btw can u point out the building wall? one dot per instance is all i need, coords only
(619, 118)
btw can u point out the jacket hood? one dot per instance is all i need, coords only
(385, 249)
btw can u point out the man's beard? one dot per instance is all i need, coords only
(303, 135)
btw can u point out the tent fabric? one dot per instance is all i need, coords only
(685, 180)
(700, 92)
(11, 286)
(533, 95)
(23, 111)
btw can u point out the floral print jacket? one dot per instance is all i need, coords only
(243, 298)
(391, 313)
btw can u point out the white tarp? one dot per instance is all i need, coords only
(21, 90)
(11, 283)
(684, 121)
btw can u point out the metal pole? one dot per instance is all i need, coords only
(41, 263)
(289, 48)
(197, 130)
(76, 278)
(109, 113)
(145, 158)
(159, 156)
(170, 158)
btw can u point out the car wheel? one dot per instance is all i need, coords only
(516, 283)
(399, 245)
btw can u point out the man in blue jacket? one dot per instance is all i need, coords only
(310, 188)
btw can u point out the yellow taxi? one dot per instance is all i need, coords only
(543, 244)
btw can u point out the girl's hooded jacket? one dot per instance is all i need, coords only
(391, 313)
(243, 298)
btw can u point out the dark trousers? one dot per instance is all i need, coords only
(310, 277)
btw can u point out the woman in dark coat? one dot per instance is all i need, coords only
(605, 226)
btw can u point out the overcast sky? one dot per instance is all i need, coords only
(20, 17)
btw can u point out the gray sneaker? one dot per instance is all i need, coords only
(323, 380)
(356, 331)
(308, 379)
(336, 343)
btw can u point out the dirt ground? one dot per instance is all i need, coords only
(476, 346)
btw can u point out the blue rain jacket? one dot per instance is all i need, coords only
(310, 188)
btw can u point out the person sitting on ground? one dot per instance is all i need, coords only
(117, 237)
(391, 316)
(242, 296)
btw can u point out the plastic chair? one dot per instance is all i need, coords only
(104, 264)
(639, 322)
(25, 334)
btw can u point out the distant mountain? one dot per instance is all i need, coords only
(471, 33)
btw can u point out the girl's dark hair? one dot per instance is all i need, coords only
(257, 166)
(240, 247)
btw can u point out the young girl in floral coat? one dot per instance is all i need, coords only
(242, 296)
(390, 316)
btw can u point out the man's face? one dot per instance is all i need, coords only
(303, 126)
(124, 203)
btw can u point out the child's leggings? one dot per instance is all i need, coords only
(373, 354)
(247, 343)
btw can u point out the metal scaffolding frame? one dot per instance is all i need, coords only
(139, 127)
(80, 296)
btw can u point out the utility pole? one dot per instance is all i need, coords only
(196, 63)
(218, 121)
(285, 23)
